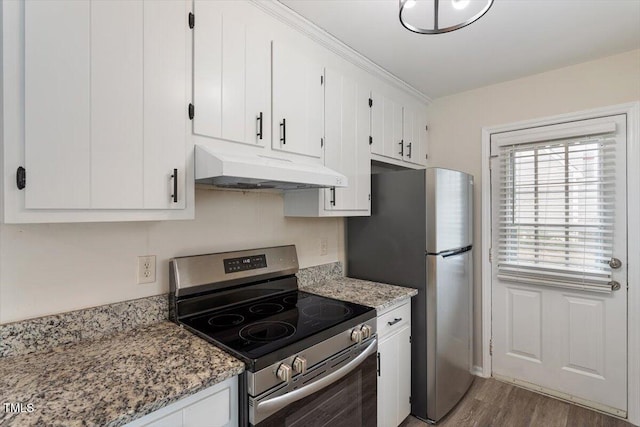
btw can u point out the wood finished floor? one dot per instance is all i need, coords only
(491, 403)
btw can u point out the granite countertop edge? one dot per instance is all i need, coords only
(380, 296)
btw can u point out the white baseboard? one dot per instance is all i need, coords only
(477, 371)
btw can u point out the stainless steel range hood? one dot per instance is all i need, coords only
(252, 171)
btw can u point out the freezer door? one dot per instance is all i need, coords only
(449, 210)
(449, 331)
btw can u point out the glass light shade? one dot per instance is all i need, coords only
(440, 16)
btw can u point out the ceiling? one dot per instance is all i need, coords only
(515, 38)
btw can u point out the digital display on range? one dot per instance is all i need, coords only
(233, 265)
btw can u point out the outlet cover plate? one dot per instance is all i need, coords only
(146, 269)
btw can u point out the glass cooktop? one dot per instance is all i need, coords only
(259, 328)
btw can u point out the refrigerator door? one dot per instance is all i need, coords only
(449, 331)
(449, 210)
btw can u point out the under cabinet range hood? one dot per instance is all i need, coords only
(252, 171)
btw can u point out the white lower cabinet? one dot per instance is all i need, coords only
(394, 365)
(215, 406)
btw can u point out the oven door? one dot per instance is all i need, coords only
(342, 391)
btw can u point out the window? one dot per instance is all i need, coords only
(557, 212)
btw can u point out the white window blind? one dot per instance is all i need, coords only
(556, 215)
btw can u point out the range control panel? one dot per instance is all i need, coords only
(233, 265)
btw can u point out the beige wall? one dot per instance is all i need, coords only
(52, 268)
(455, 122)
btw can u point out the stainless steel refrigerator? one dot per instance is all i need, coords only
(419, 235)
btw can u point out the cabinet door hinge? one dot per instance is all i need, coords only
(370, 200)
(426, 128)
(378, 363)
(370, 140)
(370, 102)
(21, 178)
(192, 20)
(490, 255)
(409, 339)
(321, 80)
(192, 111)
(491, 347)
(321, 142)
(409, 399)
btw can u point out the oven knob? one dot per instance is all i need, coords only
(299, 365)
(367, 331)
(284, 372)
(356, 335)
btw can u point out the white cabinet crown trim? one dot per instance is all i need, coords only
(320, 36)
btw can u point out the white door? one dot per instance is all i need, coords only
(558, 218)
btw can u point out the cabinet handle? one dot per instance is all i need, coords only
(394, 321)
(333, 196)
(283, 132)
(174, 196)
(259, 119)
(401, 147)
(409, 153)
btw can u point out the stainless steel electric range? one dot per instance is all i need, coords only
(310, 360)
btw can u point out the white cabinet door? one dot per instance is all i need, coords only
(346, 142)
(386, 126)
(407, 148)
(117, 65)
(414, 135)
(57, 104)
(394, 378)
(298, 101)
(404, 375)
(166, 94)
(105, 97)
(232, 76)
(387, 382)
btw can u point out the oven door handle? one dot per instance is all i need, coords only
(271, 406)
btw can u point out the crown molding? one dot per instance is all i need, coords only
(320, 36)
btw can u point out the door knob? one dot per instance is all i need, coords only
(615, 263)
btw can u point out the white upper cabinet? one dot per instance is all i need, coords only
(298, 101)
(232, 76)
(386, 126)
(414, 135)
(346, 150)
(106, 88)
(398, 131)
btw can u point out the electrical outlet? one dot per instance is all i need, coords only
(146, 269)
(324, 246)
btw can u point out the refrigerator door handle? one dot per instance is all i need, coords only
(455, 252)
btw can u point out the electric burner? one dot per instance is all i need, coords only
(267, 331)
(327, 311)
(228, 319)
(266, 308)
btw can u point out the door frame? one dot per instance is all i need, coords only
(632, 110)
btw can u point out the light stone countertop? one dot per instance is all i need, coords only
(112, 380)
(372, 294)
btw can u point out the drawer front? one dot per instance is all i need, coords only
(394, 320)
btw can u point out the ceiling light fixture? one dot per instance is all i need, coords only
(453, 20)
